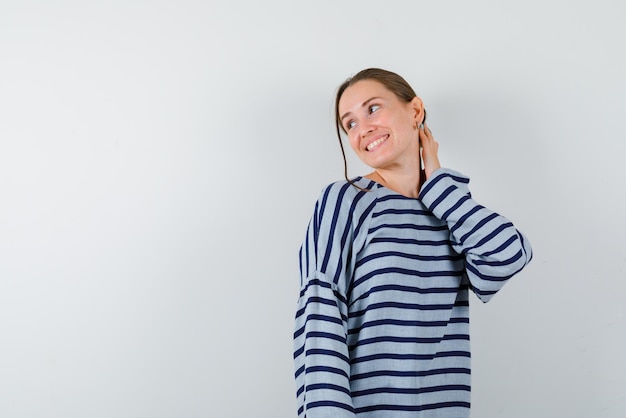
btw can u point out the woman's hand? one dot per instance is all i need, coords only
(429, 148)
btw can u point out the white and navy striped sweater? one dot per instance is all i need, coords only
(382, 323)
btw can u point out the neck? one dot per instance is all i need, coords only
(407, 181)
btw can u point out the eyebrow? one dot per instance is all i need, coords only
(362, 105)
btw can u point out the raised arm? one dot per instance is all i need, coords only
(494, 249)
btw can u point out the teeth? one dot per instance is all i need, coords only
(377, 142)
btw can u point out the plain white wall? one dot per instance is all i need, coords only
(159, 162)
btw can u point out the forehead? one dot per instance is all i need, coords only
(359, 92)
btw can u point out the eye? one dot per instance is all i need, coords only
(373, 108)
(351, 124)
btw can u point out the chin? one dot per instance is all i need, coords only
(379, 163)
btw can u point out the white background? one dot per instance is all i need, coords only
(159, 162)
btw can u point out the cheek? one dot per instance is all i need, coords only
(354, 142)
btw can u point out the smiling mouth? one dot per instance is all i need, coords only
(376, 143)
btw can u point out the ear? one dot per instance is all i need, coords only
(417, 106)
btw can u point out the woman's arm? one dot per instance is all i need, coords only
(494, 249)
(320, 348)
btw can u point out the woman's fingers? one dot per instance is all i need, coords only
(430, 149)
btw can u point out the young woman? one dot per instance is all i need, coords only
(382, 323)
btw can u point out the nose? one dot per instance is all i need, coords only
(366, 129)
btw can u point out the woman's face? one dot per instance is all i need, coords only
(380, 126)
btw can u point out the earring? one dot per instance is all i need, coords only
(420, 126)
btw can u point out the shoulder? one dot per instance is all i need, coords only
(443, 174)
(441, 179)
(346, 203)
(343, 212)
(348, 194)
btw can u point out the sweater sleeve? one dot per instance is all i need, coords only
(322, 365)
(494, 249)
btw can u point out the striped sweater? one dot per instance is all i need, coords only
(382, 322)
